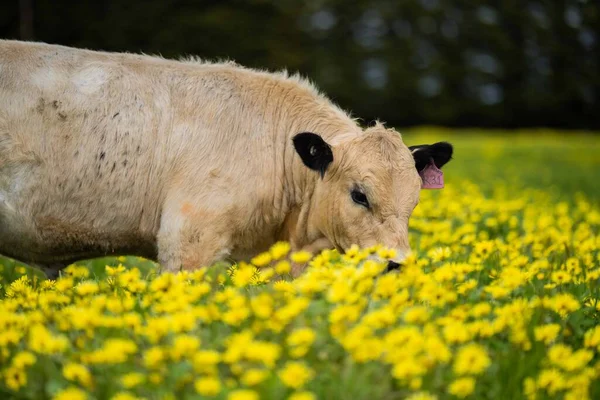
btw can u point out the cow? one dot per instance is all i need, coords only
(189, 162)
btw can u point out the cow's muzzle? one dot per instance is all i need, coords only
(392, 265)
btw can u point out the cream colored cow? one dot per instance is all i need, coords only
(187, 162)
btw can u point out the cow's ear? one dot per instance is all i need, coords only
(440, 152)
(315, 153)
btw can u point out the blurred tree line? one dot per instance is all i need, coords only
(504, 63)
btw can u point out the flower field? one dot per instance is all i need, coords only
(500, 301)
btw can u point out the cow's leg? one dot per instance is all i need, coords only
(51, 271)
(187, 241)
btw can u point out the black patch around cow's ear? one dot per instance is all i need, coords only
(440, 152)
(315, 153)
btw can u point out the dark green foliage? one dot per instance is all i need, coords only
(510, 63)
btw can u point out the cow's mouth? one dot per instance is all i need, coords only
(392, 266)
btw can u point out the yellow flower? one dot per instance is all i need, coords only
(471, 359)
(184, 345)
(295, 374)
(456, 332)
(462, 387)
(301, 337)
(418, 315)
(262, 305)
(242, 394)
(529, 388)
(23, 359)
(87, 288)
(114, 351)
(546, 333)
(280, 250)
(132, 379)
(123, 396)
(77, 373)
(439, 254)
(262, 259)
(561, 277)
(592, 337)
(205, 360)
(154, 357)
(284, 287)
(421, 396)
(77, 271)
(558, 353)
(484, 248)
(254, 376)
(283, 267)
(112, 271)
(71, 393)
(408, 369)
(208, 386)
(481, 309)
(304, 395)
(562, 304)
(551, 380)
(155, 378)
(301, 257)
(243, 275)
(264, 352)
(578, 360)
(15, 378)
(44, 342)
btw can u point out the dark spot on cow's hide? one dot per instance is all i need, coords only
(102, 155)
(115, 116)
(62, 116)
(138, 150)
(76, 153)
(41, 104)
(113, 167)
(124, 163)
(55, 104)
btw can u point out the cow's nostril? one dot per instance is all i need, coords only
(392, 266)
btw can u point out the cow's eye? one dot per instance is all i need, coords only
(359, 198)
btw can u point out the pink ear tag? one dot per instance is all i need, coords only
(432, 176)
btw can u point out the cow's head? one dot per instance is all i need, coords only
(367, 187)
